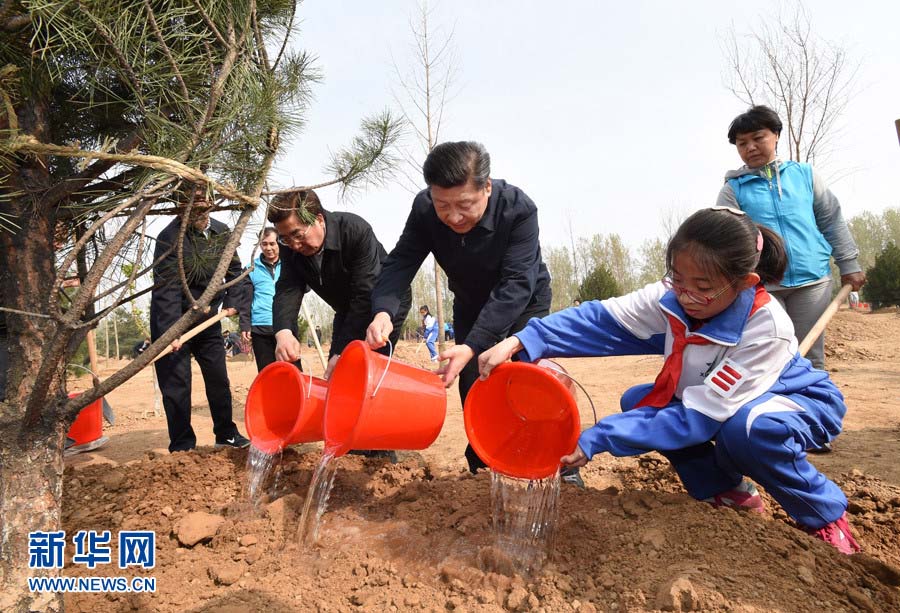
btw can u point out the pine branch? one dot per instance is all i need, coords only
(29, 144)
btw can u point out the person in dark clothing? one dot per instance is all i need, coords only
(140, 347)
(484, 234)
(203, 244)
(233, 344)
(336, 255)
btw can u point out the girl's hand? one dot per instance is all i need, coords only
(496, 355)
(576, 459)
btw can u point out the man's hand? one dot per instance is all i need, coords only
(246, 341)
(330, 367)
(379, 330)
(458, 357)
(176, 344)
(855, 279)
(576, 459)
(496, 355)
(287, 347)
(230, 312)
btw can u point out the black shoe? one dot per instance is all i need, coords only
(236, 440)
(572, 477)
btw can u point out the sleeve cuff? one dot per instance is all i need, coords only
(848, 267)
(588, 446)
(534, 345)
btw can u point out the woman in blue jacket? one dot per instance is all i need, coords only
(791, 199)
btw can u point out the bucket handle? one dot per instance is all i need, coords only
(388, 365)
(308, 387)
(581, 387)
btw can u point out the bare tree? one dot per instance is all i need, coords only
(808, 81)
(425, 91)
(607, 251)
(112, 112)
(576, 278)
(563, 283)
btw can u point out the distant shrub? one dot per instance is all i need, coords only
(883, 279)
(599, 285)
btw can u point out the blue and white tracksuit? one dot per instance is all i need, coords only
(758, 427)
(431, 333)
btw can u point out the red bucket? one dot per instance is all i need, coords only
(88, 426)
(373, 404)
(523, 419)
(284, 407)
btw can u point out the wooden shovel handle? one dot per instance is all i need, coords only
(820, 324)
(193, 332)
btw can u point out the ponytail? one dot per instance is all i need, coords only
(726, 241)
(772, 258)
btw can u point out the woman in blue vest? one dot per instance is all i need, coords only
(794, 201)
(265, 273)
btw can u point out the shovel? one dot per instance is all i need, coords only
(814, 333)
(822, 322)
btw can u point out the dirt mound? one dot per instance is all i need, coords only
(407, 536)
(856, 335)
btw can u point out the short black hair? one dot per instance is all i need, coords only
(756, 118)
(452, 164)
(304, 203)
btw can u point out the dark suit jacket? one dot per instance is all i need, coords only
(201, 255)
(495, 270)
(351, 261)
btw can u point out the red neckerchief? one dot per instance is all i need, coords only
(667, 380)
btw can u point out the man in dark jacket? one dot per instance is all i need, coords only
(484, 234)
(203, 244)
(337, 256)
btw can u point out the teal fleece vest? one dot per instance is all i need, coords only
(790, 215)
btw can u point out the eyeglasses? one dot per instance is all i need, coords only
(294, 237)
(695, 297)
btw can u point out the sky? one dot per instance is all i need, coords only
(608, 115)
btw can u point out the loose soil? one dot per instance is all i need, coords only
(416, 535)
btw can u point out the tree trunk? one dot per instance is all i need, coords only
(31, 426)
(439, 305)
(116, 335)
(31, 467)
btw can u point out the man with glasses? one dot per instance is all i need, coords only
(336, 255)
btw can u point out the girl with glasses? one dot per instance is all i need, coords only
(734, 399)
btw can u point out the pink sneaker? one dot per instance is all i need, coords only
(745, 496)
(837, 534)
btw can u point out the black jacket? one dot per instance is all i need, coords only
(495, 270)
(351, 261)
(201, 255)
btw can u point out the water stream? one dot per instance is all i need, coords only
(524, 514)
(260, 467)
(317, 499)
